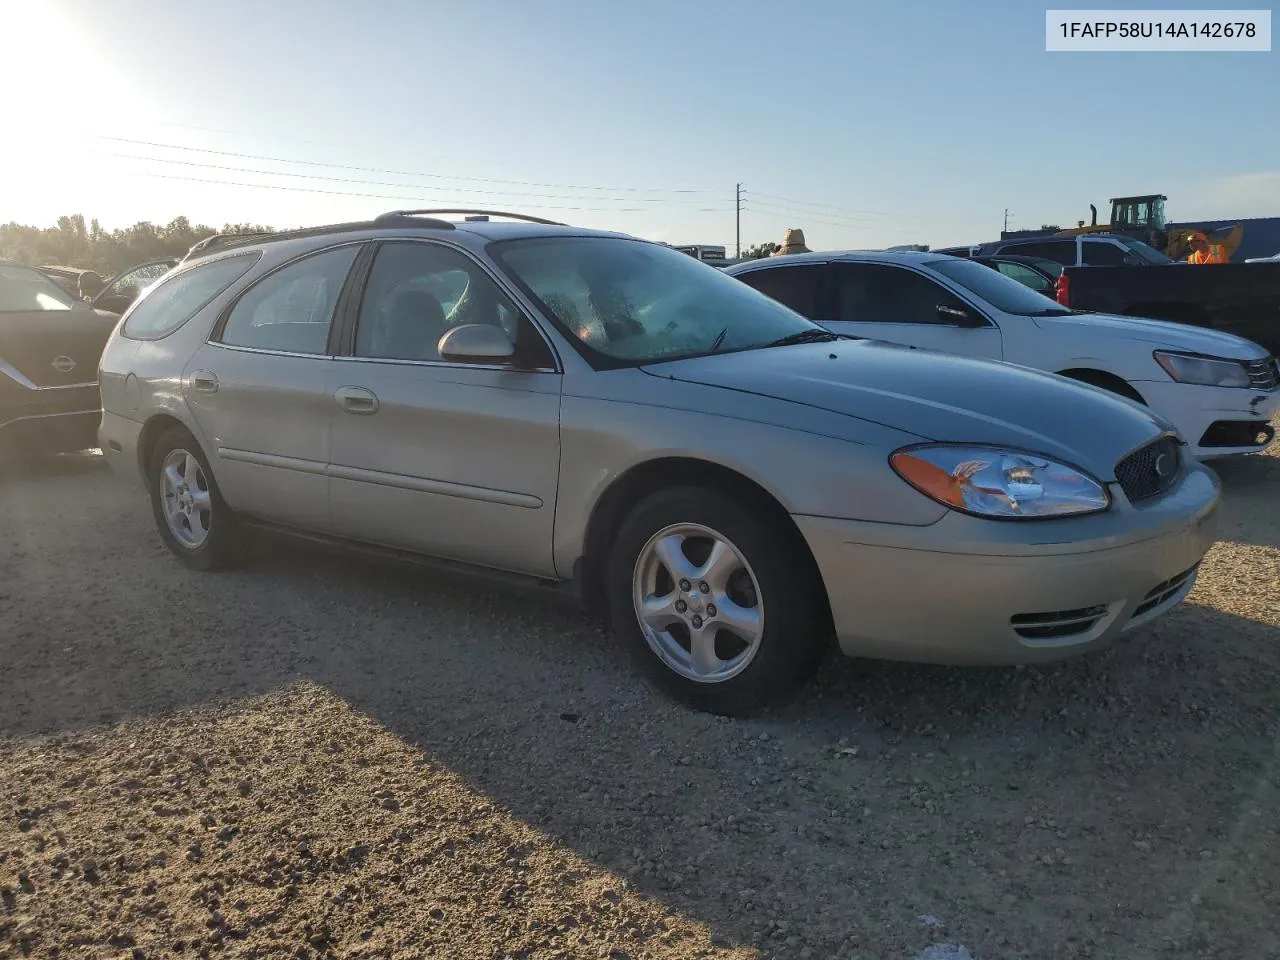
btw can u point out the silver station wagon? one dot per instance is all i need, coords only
(732, 483)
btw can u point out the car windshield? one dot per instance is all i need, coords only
(995, 288)
(629, 302)
(1147, 253)
(24, 289)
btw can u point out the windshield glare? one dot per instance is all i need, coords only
(1003, 293)
(23, 289)
(634, 302)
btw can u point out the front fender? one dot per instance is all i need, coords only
(806, 473)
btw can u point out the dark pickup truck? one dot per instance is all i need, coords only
(1239, 298)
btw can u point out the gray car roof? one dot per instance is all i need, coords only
(475, 233)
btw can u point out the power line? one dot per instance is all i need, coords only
(827, 220)
(384, 183)
(364, 196)
(835, 219)
(399, 173)
(831, 207)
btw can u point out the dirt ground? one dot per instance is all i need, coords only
(318, 755)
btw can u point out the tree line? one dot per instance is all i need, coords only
(72, 243)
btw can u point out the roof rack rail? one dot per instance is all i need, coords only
(396, 214)
(219, 241)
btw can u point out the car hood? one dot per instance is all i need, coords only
(937, 397)
(1159, 333)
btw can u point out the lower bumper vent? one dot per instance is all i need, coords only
(1162, 593)
(1058, 623)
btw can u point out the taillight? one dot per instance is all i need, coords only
(1062, 290)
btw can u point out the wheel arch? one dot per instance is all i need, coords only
(152, 431)
(643, 479)
(1105, 380)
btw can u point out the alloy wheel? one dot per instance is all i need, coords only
(698, 603)
(185, 498)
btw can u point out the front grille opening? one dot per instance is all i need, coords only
(1238, 433)
(1057, 623)
(1263, 374)
(1162, 593)
(1151, 469)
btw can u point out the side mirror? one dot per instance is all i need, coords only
(959, 317)
(476, 343)
(1132, 260)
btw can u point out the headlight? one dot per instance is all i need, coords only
(1000, 483)
(1207, 371)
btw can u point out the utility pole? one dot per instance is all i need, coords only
(737, 221)
(1006, 219)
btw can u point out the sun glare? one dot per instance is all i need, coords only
(61, 84)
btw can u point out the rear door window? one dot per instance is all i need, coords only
(290, 311)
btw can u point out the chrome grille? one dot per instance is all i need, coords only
(1149, 470)
(1162, 593)
(1263, 374)
(1058, 623)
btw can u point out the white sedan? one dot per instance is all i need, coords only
(1218, 389)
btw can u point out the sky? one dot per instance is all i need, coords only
(865, 124)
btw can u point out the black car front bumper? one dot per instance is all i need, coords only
(48, 419)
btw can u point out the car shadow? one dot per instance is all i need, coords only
(15, 465)
(879, 774)
(1251, 486)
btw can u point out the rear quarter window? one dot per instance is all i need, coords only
(176, 299)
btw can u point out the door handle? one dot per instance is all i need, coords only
(204, 381)
(356, 400)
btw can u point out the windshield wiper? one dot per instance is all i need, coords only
(715, 344)
(805, 336)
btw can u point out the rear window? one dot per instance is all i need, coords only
(177, 298)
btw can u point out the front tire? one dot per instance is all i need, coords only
(194, 521)
(721, 608)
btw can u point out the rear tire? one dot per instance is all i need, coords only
(194, 521)
(734, 617)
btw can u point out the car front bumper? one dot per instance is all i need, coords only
(971, 591)
(1215, 421)
(49, 419)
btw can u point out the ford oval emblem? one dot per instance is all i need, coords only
(63, 364)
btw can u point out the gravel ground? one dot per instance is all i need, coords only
(320, 755)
